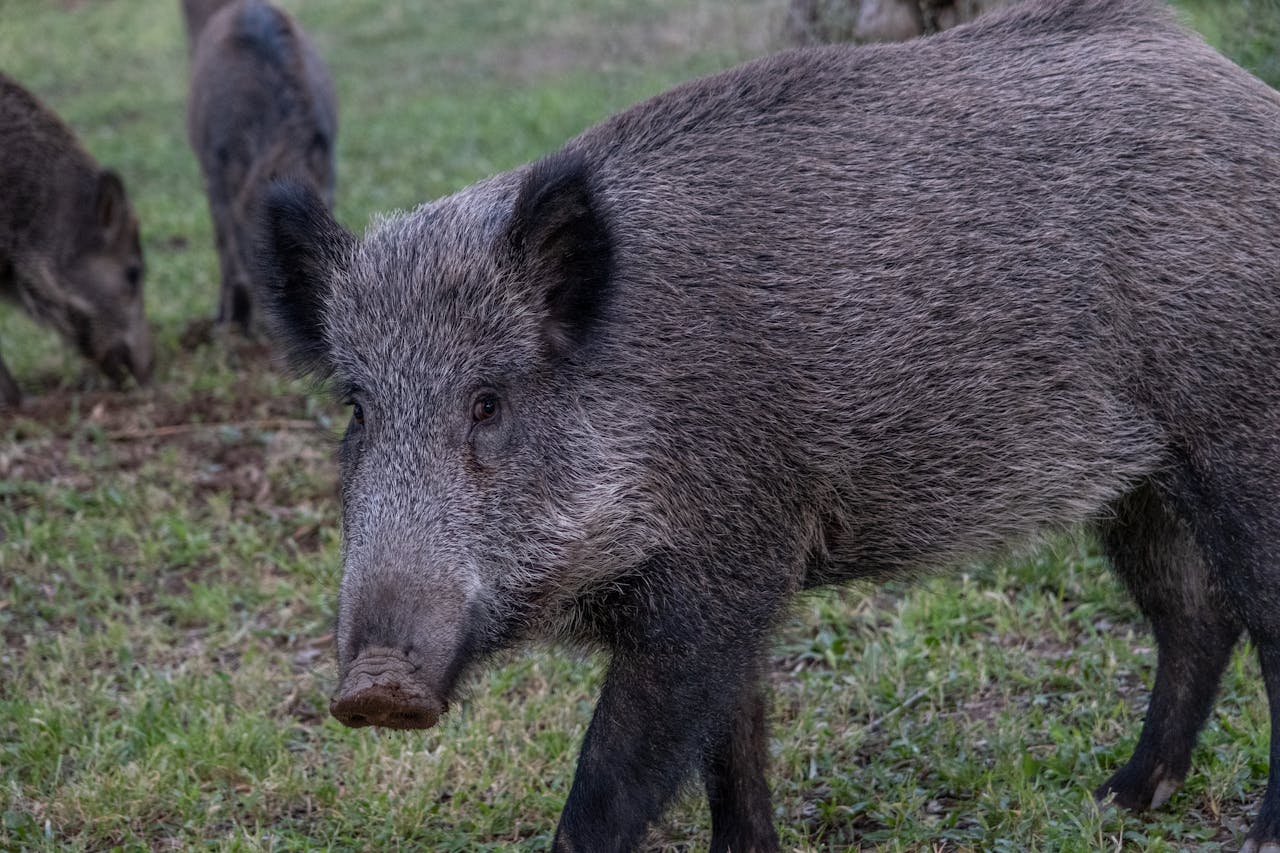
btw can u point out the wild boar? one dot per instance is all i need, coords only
(816, 21)
(261, 105)
(70, 255)
(836, 314)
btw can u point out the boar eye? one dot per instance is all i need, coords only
(357, 414)
(484, 407)
(133, 275)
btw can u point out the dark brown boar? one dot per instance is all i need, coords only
(261, 105)
(69, 248)
(836, 314)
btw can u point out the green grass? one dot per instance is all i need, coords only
(169, 557)
(1246, 30)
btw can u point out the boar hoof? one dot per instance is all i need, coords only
(1137, 791)
(1252, 846)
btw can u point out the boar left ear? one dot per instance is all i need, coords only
(561, 239)
(301, 248)
(111, 207)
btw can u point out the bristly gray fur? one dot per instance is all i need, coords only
(868, 312)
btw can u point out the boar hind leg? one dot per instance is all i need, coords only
(1157, 557)
(1234, 498)
(235, 303)
(741, 815)
(1264, 837)
(10, 396)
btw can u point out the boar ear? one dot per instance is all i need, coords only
(561, 240)
(300, 249)
(111, 207)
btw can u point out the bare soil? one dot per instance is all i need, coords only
(266, 450)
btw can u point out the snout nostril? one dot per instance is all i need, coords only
(408, 720)
(388, 705)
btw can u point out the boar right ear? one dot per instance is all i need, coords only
(561, 239)
(111, 206)
(301, 249)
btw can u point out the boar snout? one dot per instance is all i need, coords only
(142, 360)
(383, 687)
(124, 359)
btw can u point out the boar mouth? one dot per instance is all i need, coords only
(383, 687)
(141, 367)
(119, 362)
(115, 365)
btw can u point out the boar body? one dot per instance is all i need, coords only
(261, 105)
(70, 255)
(836, 314)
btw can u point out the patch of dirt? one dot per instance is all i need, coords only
(267, 452)
(985, 707)
(197, 333)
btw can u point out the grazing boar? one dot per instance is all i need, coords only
(69, 248)
(836, 314)
(261, 105)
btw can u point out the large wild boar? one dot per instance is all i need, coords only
(69, 248)
(261, 105)
(837, 314)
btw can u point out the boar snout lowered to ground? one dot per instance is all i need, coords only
(70, 255)
(261, 106)
(837, 314)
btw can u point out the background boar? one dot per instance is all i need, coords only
(834, 315)
(816, 21)
(69, 248)
(261, 105)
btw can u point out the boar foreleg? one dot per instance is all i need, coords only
(10, 396)
(735, 779)
(666, 705)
